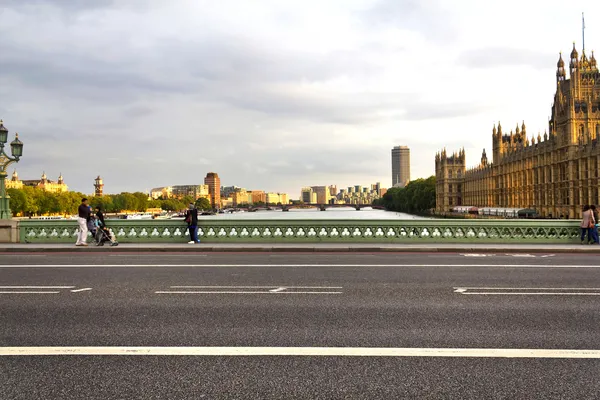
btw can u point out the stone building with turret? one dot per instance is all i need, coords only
(555, 173)
(47, 184)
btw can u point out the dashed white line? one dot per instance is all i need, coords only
(81, 290)
(29, 292)
(37, 287)
(237, 292)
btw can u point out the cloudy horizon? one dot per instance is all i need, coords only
(272, 95)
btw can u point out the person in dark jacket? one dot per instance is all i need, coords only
(82, 219)
(595, 228)
(191, 217)
(100, 216)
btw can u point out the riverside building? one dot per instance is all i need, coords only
(555, 174)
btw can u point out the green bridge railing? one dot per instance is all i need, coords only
(311, 231)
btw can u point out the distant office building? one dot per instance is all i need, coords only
(307, 195)
(400, 166)
(257, 196)
(227, 191)
(180, 191)
(322, 194)
(333, 190)
(214, 188)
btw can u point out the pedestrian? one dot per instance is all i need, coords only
(191, 217)
(82, 219)
(595, 228)
(100, 216)
(587, 223)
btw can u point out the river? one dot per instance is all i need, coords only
(313, 213)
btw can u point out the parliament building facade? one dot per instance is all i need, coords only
(554, 174)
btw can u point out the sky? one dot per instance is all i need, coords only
(273, 95)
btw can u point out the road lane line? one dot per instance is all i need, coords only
(524, 288)
(279, 289)
(81, 290)
(238, 292)
(509, 266)
(29, 292)
(37, 287)
(301, 351)
(533, 293)
(256, 287)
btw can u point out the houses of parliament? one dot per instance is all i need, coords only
(554, 174)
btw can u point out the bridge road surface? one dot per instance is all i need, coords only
(309, 326)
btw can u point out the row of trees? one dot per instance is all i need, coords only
(35, 201)
(417, 197)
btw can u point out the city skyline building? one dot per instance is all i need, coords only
(555, 174)
(214, 188)
(400, 166)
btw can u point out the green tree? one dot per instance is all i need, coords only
(17, 201)
(203, 204)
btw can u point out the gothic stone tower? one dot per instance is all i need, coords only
(574, 128)
(98, 186)
(449, 177)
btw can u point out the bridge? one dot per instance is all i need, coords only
(306, 231)
(322, 207)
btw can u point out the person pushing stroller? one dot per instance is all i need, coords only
(102, 234)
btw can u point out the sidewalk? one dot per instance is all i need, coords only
(308, 247)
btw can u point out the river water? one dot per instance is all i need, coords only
(313, 213)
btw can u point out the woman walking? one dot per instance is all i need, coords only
(587, 224)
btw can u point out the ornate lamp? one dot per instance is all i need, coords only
(16, 147)
(3, 133)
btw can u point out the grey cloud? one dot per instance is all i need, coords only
(426, 17)
(494, 57)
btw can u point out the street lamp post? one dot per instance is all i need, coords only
(16, 149)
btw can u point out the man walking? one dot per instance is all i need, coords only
(84, 215)
(191, 217)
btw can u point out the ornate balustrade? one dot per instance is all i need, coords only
(331, 231)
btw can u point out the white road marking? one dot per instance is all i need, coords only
(256, 287)
(81, 290)
(238, 292)
(512, 266)
(527, 288)
(37, 287)
(547, 255)
(521, 255)
(477, 255)
(29, 292)
(534, 293)
(300, 351)
(277, 290)
(542, 291)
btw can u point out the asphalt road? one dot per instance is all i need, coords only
(352, 301)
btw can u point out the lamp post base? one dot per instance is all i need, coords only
(5, 212)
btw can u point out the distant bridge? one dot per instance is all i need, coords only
(322, 207)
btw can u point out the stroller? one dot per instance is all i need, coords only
(102, 234)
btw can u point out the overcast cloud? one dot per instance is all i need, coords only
(271, 94)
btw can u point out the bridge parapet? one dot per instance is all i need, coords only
(315, 231)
